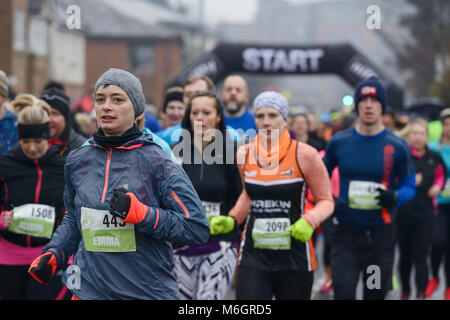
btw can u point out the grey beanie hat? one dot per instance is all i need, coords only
(272, 99)
(128, 83)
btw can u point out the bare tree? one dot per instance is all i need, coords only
(426, 54)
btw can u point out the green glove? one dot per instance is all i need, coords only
(221, 224)
(301, 230)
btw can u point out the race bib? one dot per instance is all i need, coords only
(446, 192)
(103, 232)
(269, 233)
(36, 220)
(211, 208)
(361, 195)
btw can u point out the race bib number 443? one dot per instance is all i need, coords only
(362, 194)
(36, 220)
(103, 232)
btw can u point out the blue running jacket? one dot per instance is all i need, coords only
(114, 260)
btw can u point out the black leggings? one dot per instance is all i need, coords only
(254, 284)
(370, 251)
(414, 234)
(327, 230)
(17, 284)
(441, 243)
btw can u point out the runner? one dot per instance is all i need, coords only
(31, 206)
(192, 85)
(370, 160)
(441, 246)
(205, 272)
(173, 107)
(126, 202)
(300, 127)
(234, 97)
(415, 220)
(277, 257)
(61, 132)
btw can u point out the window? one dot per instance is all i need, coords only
(37, 36)
(142, 58)
(19, 31)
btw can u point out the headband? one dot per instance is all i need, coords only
(34, 131)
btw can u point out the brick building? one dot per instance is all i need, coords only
(23, 51)
(151, 52)
(37, 45)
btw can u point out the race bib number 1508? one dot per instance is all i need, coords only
(32, 219)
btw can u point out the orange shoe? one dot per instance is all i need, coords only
(431, 287)
(447, 294)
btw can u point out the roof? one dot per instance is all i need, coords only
(147, 12)
(100, 20)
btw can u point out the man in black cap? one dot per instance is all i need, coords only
(377, 176)
(61, 133)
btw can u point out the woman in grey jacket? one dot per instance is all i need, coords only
(126, 202)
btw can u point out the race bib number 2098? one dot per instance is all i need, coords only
(270, 233)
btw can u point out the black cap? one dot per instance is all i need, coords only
(58, 100)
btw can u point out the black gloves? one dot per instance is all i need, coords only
(43, 268)
(120, 203)
(387, 198)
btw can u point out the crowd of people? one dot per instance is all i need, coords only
(217, 190)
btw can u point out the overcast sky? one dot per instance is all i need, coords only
(238, 11)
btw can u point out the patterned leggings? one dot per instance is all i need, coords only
(205, 277)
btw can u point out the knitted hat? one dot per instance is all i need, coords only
(3, 84)
(175, 95)
(128, 83)
(371, 87)
(58, 100)
(272, 99)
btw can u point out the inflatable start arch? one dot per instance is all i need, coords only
(341, 59)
